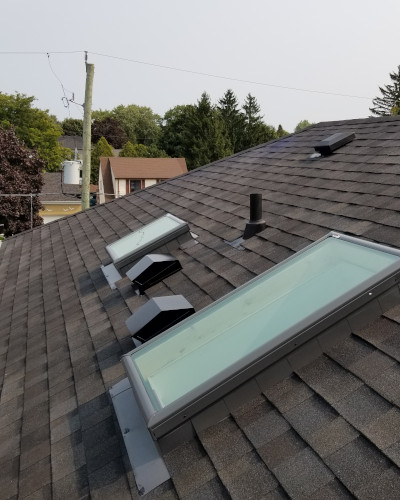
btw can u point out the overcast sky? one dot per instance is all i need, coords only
(341, 47)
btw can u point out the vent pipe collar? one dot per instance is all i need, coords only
(256, 222)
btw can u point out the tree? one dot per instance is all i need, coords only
(140, 124)
(389, 103)
(205, 137)
(111, 130)
(38, 129)
(281, 132)
(72, 126)
(173, 131)
(20, 173)
(255, 130)
(232, 118)
(102, 148)
(302, 125)
(141, 151)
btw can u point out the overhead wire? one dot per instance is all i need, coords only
(188, 71)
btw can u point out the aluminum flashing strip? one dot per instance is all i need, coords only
(146, 239)
(209, 354)
(148, 466)
(111, 274)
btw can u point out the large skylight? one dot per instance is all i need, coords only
(183, 369)
(148, 237)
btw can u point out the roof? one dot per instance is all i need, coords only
(147, 168)
(71, 141)
(57, 190)
(327, 429)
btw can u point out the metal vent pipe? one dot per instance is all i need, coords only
(256, 222)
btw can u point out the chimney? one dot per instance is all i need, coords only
(256, 222)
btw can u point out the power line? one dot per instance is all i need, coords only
(193, 72)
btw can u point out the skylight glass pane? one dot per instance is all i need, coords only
(143, 237)
(254, 318)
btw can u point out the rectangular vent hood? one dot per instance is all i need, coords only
(157, 315)
(333, 142)
(152, 269)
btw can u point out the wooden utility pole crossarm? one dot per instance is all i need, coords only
(87, 136)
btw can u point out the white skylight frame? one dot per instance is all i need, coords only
(163, 418)
(146, 239)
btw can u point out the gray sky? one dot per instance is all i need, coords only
(344, 47)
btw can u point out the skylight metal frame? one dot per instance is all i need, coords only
(161, 421)
(158, 241)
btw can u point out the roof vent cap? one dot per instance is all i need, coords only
(157, 315)
(333, 142)
(152, 269)
(256, 222)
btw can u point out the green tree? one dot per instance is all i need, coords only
(72, 126)
(281, 132)
(255, 130)
(173, 131)
(389, 102)
(38, 129)
(232, 118)
(111, 130)
(102, 148)
(302, 125)
(205, 137)
(140, 124)
(141, 151)
(20, 173)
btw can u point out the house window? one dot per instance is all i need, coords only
(134, 185)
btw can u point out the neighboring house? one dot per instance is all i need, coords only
(322, 421)
(58, 199)
(72, 142)
(120, 176)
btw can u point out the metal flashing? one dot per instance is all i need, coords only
(241, 336)
(111, 274)
(147, 464)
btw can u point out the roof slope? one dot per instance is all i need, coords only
(147, 168)
(328, 430)
(55, 190)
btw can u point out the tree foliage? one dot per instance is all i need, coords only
(389, 102)
(141, 151)
(174, 130)
(102, 148)
(302, 125)
(111, 130)
(255, 130)
(20, 173)
(72, 126)
(233, 119)
(38, 129)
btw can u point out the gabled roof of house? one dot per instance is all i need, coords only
(147, 168)
(71, 141)
(55, 190)
(330, 429)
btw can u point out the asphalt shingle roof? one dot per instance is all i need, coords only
(329, 429)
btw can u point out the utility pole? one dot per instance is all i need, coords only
(87, 135)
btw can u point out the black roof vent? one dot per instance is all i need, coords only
(256, 222)
(157, 315)
(152, 269)
(333, 142)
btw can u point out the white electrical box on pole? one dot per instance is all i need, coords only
(87, 136)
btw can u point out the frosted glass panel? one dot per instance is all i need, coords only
(143, 236)
(254, 317)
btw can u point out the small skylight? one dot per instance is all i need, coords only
(146, 239)
(206, 356)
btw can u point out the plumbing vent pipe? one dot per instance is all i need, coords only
(256, 222)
